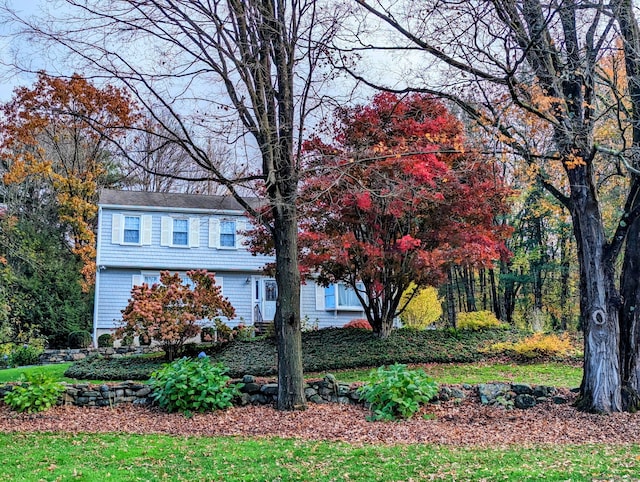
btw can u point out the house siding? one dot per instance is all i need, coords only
(323, 318)
(118, 263)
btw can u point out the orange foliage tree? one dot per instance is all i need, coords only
(58, 132)
(168, 312)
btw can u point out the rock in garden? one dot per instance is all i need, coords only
(524, 401)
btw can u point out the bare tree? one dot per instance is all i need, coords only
(541, 59)
(242, 70)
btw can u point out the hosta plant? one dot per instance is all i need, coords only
(192, 385)
(397, 392)
(36, 392)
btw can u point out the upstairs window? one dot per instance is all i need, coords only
(126, 229)
(132, 229)
(227, 234)
(180, 232)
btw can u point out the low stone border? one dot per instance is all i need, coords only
(50, 357)
(327, 390)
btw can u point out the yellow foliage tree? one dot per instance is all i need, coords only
(424, 308)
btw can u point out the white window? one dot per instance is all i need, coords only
(226, 233)
(339, 297)
(131, 229)
(128, 229)
(180, 232)
(153, 277)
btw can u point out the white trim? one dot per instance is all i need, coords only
(146, 229)
(194, 233)
(319, 297)
(117, 229)
(213, 212)
(137, 280)
(96, 292)
(166, 230)
(214, 233)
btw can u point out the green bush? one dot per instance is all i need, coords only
(397, 392)
(35, 393)
(478, 320)
(96, 367)
(193, 385)
(79, 339)
(105, 340)
(25, 355)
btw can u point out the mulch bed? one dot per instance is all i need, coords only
(466, 423)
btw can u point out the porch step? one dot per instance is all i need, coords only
(263, 327)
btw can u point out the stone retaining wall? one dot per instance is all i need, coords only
(69, 355)
(327, 390)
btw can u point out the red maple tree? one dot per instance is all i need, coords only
(395, 200)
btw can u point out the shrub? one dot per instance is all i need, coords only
(358, 323)
(25, 355)
(35, 393)
(537, 345)
(478, 320)
(79, 339)
(105, 340)
(208, 334)
(168, 312)
(192, 385)
(424, 308)
(243, 332)
(397, 392)
(96, 367)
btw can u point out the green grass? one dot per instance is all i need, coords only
(33, 457)
(54, 371)
(554, 374)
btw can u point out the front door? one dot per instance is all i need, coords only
(269, 295)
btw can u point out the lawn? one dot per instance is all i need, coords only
(34, 457)
(554, 374)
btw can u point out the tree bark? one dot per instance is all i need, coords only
(599, 301)
(287, 316)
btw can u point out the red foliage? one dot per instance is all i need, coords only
(395, 199)
(358, 323)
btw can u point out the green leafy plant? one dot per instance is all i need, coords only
(35, 393)
(397, 392)
(193, 385)
(25, 355)
(79, 339)
(105, 340)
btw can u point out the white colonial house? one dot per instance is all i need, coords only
(141, 234)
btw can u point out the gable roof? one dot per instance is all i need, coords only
(178, 201)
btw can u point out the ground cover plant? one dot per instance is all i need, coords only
(92, 457)
(323, 350)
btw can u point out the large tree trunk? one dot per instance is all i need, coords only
(630, 321)
(599, 301)
(287, 316)
(630, 276)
